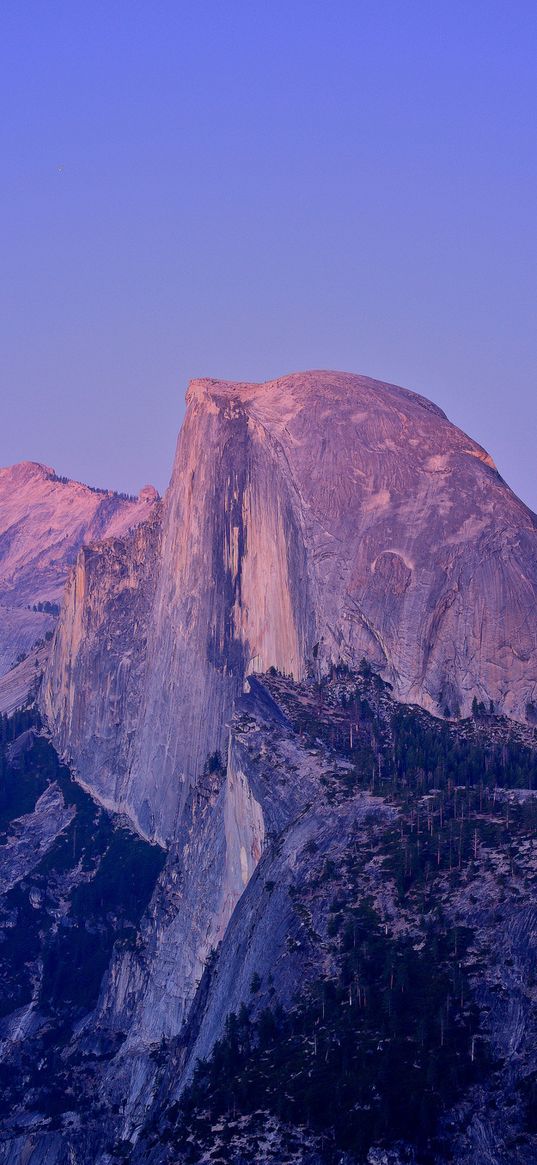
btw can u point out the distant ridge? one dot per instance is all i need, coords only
(44, 519)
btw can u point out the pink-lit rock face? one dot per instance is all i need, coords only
(44, 520)
(319, 518)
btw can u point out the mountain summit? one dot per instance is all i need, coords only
(313, 520)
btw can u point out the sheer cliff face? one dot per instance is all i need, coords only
(322, 517)
(232, 596)
(44, 520)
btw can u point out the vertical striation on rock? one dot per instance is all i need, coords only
(232, 597)
(98, 659)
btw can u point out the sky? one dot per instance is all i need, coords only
(244, 189)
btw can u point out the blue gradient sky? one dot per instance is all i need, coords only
(247, 188)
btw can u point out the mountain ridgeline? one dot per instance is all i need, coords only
(269, 830)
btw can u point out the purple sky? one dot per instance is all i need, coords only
(243, 189)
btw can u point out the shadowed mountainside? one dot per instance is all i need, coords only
(337, 963)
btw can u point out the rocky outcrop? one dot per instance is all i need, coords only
(319, 518)
(44, 519)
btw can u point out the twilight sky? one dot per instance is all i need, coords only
(251, 187)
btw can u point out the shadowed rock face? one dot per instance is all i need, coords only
(322, 517)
